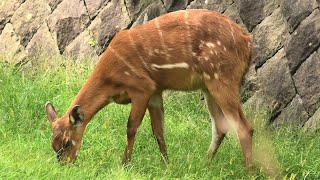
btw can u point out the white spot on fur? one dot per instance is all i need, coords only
(295, 33)
(156, 50)
(210, 45)
(211, 64)
(171, 66)
(120, 57)
(206, 58)
(194, 54)
(216, 76)
(310, 44)
(219, 43)
(186, 21)
(73, 143)
(206, 76)
(224, 48)
(127, 73)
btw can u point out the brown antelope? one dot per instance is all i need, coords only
(184, 50)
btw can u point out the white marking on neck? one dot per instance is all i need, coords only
(219, 43)
(135, 47)
(120, 57)
(171, 66)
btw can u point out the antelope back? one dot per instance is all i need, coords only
(180, 50)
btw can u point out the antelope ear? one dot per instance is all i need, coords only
(51, 112)
(76, 115)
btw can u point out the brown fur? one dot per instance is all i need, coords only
(184, 50)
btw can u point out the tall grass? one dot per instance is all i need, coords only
(25, 150)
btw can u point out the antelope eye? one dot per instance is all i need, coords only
(66, 145)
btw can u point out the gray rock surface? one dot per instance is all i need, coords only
(269, 36)
(42, 41)
(304, 41)
(297, 10)
(294, 114)
(112, 18)
(28, 18)
(7, 9)
(214, 5)
(67, 21)
(152, 11)
(253, 12)
(12, 50)
(313, 124)
(94, 7)
(233, 13)
(174, 5)
(307, 80)
(53, 4)
(275, 83)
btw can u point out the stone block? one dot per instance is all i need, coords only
(268, 37)
(28, 18)
(307, 80)
(303, 41)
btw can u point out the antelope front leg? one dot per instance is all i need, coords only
(138, 109)
(156, 112)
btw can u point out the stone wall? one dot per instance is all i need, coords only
(285, 76)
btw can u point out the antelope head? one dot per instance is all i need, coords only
(67, 133)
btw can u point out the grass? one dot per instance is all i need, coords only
(25, 150)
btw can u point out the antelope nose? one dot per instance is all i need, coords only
(59, 157)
